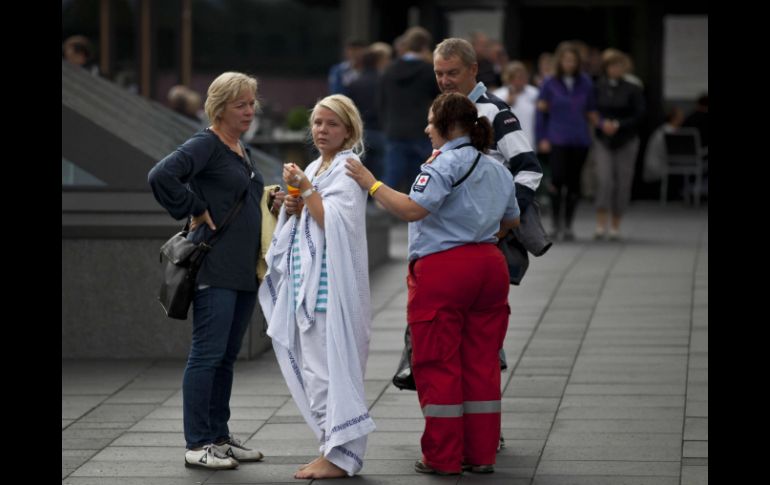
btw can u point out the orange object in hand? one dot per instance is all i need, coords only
(292, 190)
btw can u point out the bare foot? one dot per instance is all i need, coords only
(302, 467)
(321, 468)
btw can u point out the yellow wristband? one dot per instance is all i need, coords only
(374, 187)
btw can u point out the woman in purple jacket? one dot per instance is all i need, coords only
(565, 110)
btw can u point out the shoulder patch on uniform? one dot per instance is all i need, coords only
(420, 182)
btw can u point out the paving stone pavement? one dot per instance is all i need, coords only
(607, 381)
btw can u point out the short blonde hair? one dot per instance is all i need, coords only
(512, 69)
(614, 56)
(344, 107)
(382, 52)
(225, 88)
(382, 49)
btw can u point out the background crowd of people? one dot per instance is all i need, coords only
(454, 138)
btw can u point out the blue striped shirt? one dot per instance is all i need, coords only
(296, 270)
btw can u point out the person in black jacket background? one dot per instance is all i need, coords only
(621, 107)
(406, 91)
(363, 92)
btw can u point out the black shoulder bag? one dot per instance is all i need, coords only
(183, 260)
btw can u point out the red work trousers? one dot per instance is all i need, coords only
(458, 316)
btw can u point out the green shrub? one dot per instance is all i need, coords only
(297, 118)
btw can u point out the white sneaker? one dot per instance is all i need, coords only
(614, 235)
(209, 457)
(234, 448)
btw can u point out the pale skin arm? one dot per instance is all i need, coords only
(395, 202)
(293, 175)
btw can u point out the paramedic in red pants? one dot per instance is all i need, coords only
(459, 205)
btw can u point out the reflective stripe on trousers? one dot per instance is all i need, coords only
(456, 410)
(458, 311)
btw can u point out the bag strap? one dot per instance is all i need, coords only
(247, 160)
(475, 162)
(233, 212)
(230, 216)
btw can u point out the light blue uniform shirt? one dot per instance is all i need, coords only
(470, 212)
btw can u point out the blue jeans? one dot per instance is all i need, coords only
(403, 159)
(220, 319)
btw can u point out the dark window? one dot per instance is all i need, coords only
(290, 37)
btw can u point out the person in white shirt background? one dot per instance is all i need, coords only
(520, 96)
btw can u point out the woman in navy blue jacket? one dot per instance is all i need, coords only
(204, 179)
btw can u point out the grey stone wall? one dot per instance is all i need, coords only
(109, 306)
